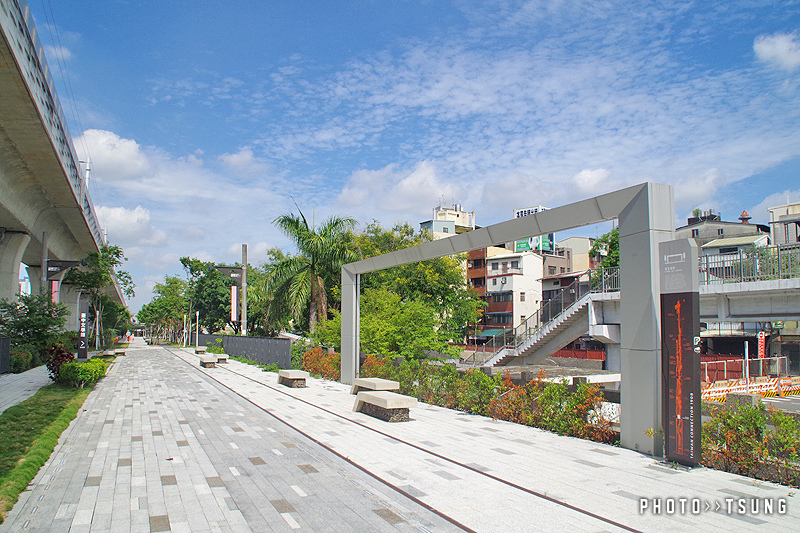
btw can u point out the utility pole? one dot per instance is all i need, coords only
(244, 290)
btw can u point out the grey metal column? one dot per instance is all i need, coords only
(645, 222)
(350, 325)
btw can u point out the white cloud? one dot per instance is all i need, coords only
(388, 191)
(244, 161)
(780, 49)
(113, 158)
(592, 181)
(54, 53)
(695, 189)
(130, 227)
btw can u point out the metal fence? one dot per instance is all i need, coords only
(735, 368)
(266, 350)
(758, 264)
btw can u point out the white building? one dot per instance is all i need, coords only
(784, 223)
(449, 221)
(513, 288)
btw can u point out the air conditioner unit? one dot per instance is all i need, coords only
(503, 281)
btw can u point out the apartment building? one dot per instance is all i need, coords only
(784, 222)
(449, 221)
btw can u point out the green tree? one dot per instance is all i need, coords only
(391, 326)
(607, 246)
(33, 320)
(267, 313)
(98, 275)
(441, 281)
(303, 280)
(166, 311)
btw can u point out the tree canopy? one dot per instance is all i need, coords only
(299, 283)
(99, 273)
(607, 246)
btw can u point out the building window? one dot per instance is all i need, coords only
(695, 233)
(521, 319)
(505, 265)
(501, 318)
(514, 264)
(494, 281)
(730, 250)
(495, 266)
(551, 270)
(445, 230)
(563, 269)
(503, 297)
(522, 297)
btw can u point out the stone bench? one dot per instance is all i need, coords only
(199, 349)
(373, 384)
(385, 405)
(208, 361)
(119, 353)
(292, 378)
(221, 357)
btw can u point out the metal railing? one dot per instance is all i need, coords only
(735, 368)
(758, 264)
(600, 280)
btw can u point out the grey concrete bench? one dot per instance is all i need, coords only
(221, 357)
(373, 384)
(292, 378)
(200, 349)
(208, 361)
(385, 405)
(118, 353)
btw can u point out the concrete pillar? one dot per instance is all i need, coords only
(646, 221)
(71, 298)
(613, 357)
(350, 326)
(35, 278)
(12, 247)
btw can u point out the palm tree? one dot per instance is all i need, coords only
(297, 281)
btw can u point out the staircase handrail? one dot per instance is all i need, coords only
(601, 280)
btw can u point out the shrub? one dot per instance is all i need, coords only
(321, 363)
(753, 441)
(21, 361)
(38, 357)
(57, 356)
(79, 374)
(216, 346)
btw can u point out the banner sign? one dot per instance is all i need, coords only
(680, 351)
(83, 330)
(762, 344)
(234, 273)
(540, 242)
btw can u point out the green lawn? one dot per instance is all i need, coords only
(28, 434)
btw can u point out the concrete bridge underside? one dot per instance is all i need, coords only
(41, 192)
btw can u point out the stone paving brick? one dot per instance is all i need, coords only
(183, 451)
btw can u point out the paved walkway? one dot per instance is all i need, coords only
(164, 445)
(15, 388)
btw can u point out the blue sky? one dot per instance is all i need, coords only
(203, 124)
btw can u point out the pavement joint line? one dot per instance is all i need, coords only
(334, 452)
(420, 448)
(532, 492)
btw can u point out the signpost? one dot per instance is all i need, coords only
(680, 350)
(83, 330)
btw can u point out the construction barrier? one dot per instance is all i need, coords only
(764, 386)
